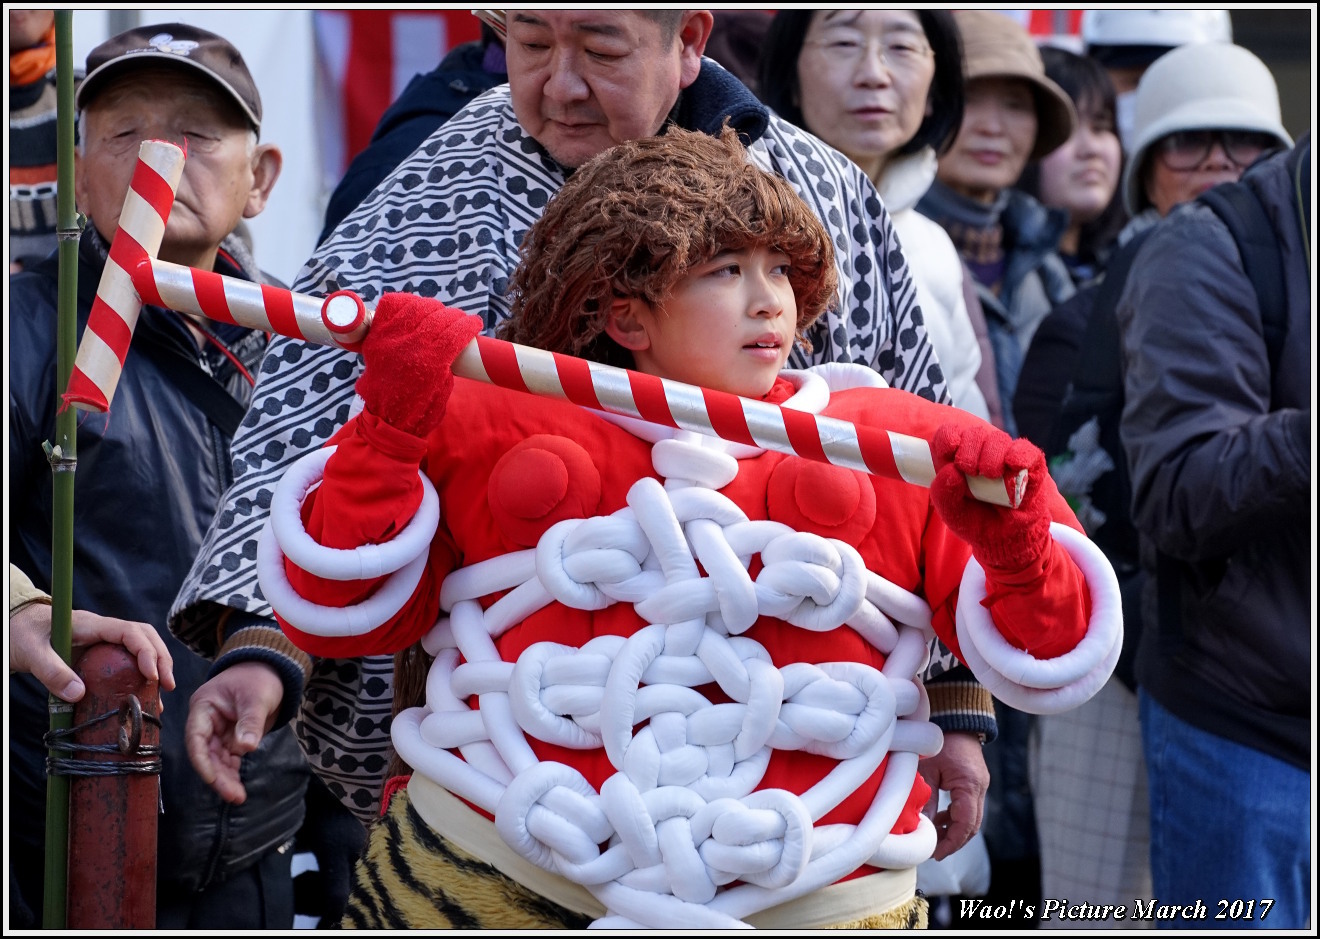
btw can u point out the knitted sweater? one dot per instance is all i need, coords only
(32, 165)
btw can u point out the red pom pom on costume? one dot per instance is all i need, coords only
(541, 481)
(825, 500)
(408, 355)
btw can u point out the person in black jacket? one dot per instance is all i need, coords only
(151, 472)
(426, 102)
(1087, 772)
(1217, 430)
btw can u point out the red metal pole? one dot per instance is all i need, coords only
(113, 816)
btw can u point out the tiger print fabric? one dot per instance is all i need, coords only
(411, 878)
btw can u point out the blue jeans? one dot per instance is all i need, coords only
(1229, 825)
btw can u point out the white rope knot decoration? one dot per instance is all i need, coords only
(681, 819)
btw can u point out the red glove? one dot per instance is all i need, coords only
(1005, 541)
(408, 355)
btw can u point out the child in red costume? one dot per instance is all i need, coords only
(673, 678)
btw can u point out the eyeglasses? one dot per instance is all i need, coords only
(901, 51)
(1187, 149)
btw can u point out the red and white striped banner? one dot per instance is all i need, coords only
(115, 310)
(1052, 27)
(365, 58)
(341, 319)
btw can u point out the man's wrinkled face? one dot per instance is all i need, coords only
(168, 104)
(584, 80)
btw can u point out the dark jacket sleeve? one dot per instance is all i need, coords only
(1209, 459)
(1050, 364)
(428, 101)
(31, 386)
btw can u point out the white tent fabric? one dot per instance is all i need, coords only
(278, 48)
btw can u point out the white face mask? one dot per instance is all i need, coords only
(1125, 115)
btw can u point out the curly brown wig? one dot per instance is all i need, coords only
(631, 222)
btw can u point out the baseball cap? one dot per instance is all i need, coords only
(176, 43)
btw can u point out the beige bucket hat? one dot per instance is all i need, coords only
(996, 46)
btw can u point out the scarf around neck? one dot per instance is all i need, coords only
(31, 65)
(975, 228)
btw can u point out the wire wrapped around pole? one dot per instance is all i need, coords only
(114, 793)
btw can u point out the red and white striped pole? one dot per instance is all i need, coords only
(342, 320)
(114, 313)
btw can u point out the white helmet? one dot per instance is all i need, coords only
(1167, 28)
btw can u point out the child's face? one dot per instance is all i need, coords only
(729, 324)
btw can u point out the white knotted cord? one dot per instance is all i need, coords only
(682, 818)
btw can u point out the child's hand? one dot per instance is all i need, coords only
(408, 354)
(1003, 540)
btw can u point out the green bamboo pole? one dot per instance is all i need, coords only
(63, 460)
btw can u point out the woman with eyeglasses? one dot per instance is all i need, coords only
(885, 88)
(1204, 112)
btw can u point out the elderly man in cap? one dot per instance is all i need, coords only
(151, 472)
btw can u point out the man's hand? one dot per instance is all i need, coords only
(30, 649)
(959, 769)
(227, 717)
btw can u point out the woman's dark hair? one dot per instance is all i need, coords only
(1083, 78)
(1092, 92)
(779, 83)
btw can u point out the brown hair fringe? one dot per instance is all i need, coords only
(632, 221)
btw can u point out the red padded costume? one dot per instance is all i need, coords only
(507, 466)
